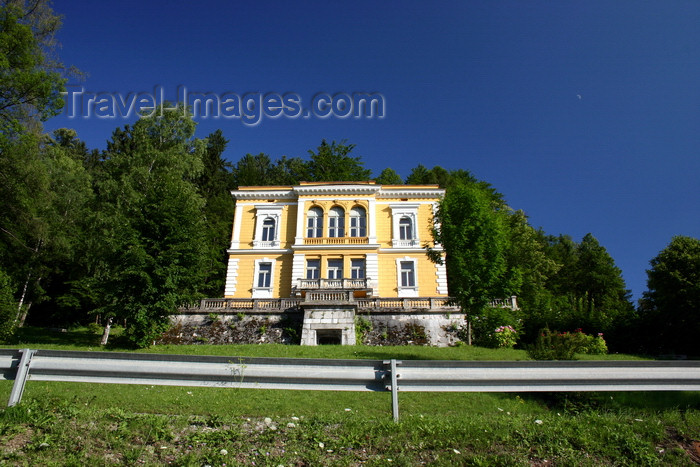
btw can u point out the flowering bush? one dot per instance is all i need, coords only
(505, 337)
(596, 345)
(488, 328)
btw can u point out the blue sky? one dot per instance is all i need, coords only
(584, 114)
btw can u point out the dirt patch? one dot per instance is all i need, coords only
(16, 442)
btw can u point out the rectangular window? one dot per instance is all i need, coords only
(268, 230)
(264, 275)
(357, 269)
(405, 229)
(314, 227)
(335, 268)
(313, 269)
(358, 227)
(336, 227)
(408, 274)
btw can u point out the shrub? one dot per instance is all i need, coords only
(95, 328)
(486, 325)
(8, 308)
(362, 327)
(505, 337)
(554, 345)
(596, 345)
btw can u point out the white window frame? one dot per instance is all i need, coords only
(334, 268)
(269, 228)
(406, 290)
(316, 269)
(317, 228)
(264, 291)
(358, 222)
(406, 228)
(354, 269)
(336, 222)
(265, 213)
(404, 211)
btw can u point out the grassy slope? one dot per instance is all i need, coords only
(70, 423)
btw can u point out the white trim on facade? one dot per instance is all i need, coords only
(262, 213)
(231, 277)
(264, 292)
(409, 192)
(372, 272)
(441, 278)
(350, 189)
(401, 211)
(237, 221)
(298, 268)
(407, 290)
(283, 193)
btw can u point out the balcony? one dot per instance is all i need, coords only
(332, 284)
(410, 243)
(266, 244)
(367, 304)
(336, 240)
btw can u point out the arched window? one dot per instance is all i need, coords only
(268, 230)
(405, 228)
(336, 222)
(314, 223)
(358, 222)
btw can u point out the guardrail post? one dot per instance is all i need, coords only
(394, 387)
(20, 377)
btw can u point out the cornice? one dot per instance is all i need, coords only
(411, 192)
(258, 251)
(285, 193)
(386, 192)
(320, 190)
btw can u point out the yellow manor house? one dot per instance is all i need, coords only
(332, 250)
(360, 238)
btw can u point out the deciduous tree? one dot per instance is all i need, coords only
(152, 224)
(671, 302)
(332, 162)
(31, 78)
(472, 230)
(389, 177)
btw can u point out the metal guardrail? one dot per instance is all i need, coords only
(345, 375)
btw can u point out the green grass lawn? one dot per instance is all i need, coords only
(99, 424)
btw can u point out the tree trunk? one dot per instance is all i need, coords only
(21, 316)
(469, 330)
(105, 335)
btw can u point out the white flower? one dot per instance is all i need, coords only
(321, 445)
(456, 451)
(223, 452)
(539, 422)
(268, 420)
(291, 425)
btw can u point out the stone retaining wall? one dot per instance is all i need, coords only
(385, 327)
